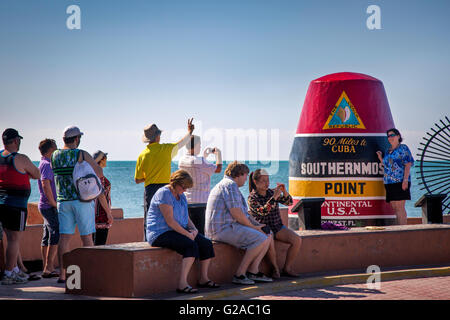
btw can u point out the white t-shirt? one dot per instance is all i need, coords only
(201, 172)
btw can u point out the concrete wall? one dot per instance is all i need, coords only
(122, 231)
(136, 269)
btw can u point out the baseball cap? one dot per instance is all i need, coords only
(72, 131)
(10, 133)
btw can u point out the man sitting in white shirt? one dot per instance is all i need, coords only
(201, 171)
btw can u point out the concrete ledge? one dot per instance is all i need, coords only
(122, 231)
(137, 269)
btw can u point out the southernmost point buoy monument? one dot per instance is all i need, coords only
(342, 125)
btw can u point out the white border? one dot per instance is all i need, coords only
(334, 178)
(351, 218)
(342, 198)
(341, 134)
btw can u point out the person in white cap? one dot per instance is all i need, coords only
(153, 165)
(71, 211)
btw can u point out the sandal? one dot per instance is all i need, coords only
(209, 284)
(33, 277)
(187, 290)
(52, 274)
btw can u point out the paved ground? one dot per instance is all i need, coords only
(399, 284)
(435, 288)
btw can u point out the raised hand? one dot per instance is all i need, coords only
(277, 192)
(191, 126)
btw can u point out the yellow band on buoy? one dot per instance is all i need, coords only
(336, 188)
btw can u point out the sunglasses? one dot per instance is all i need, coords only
(392, 135)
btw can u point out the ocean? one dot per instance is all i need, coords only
(129, 196)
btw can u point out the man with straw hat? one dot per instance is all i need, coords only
(154, 163)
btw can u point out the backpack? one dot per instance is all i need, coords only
(87, 184)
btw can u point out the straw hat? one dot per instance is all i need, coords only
(151, 132)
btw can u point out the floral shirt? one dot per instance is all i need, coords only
(100, 213)
(394, 164)
(265, 208)
(63, 163)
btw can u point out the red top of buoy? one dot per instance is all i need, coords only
(341, 76)
(345, 102)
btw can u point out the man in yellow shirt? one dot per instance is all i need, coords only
(154, 163)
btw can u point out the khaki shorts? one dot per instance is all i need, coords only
(240, 236)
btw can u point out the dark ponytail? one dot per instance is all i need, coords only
(255, 175)
(251, 183)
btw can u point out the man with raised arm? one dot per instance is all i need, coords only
(154, 163)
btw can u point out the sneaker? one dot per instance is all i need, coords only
(13, 279)
(260, 277)
(242, 279)
(22, 275)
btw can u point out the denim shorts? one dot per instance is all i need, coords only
(240, 236)
(72, 213)
(51, 227)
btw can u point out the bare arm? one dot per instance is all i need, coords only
(188, 135)
(407, 170)
(406, 175)
(106, 207)
(87, 157)
(241, 218)
(24, 164)
(139, 180)
(380, 156)
(218, 154)
(46, 186)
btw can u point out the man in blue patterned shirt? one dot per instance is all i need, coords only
(228, 221)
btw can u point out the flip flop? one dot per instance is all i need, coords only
(209, 284)
(61, 281)
(33, 277)
(52, 274)
(187, 290)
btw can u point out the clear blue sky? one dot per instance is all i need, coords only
(229, 64)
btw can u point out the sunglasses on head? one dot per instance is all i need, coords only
(392, 135)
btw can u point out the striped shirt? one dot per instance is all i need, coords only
(224, 196)
(201, 171)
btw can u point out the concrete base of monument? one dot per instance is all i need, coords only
(137, 269)
(122, 231)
